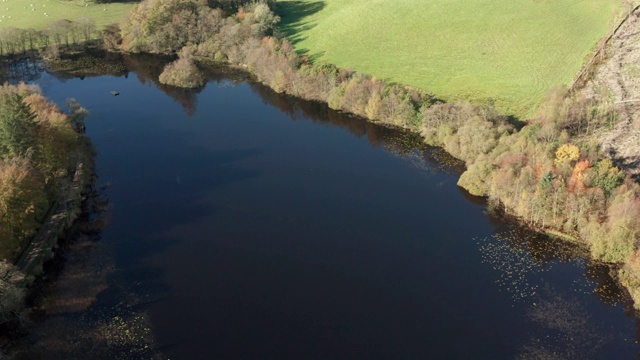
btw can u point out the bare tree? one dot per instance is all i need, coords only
(87, 28)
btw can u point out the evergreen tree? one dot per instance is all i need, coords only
(16, 122)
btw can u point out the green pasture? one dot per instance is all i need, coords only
(38, 14)
(510, 51)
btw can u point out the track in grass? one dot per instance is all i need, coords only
(511, 51)
(38, 14)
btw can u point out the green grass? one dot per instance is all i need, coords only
(511, 51)
(19, 13)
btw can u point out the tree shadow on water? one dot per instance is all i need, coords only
(100, 302)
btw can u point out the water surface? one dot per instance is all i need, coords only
(246, 224)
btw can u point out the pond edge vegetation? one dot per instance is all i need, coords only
(46, 163)
(547, 171)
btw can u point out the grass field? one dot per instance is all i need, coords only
(511, 51)
(38, 14)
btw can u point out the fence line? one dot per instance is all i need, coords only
(600, 50)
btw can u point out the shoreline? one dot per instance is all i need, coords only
(554, 233)
(60, 217)
(507, 161)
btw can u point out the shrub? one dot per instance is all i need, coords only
(182, 73)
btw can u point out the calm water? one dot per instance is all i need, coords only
(244, 224)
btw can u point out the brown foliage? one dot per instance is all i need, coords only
(182, 72)
(576, 181)
(30, 181)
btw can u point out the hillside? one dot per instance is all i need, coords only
(510, 51)
(616, 80)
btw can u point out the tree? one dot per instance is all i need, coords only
(16, 122)
(606, 176)
(23, 199)
(567, 153)
(112, 37)
(60, 31)
(263, 20)
(86, 27)
(182, 72)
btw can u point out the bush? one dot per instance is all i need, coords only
(182, 73)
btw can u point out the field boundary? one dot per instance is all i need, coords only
(586, 69)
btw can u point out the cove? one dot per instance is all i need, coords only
(248, 224)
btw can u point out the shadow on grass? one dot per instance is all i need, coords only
(294, 14)
(314, 57)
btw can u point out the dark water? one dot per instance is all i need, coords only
(244, 224)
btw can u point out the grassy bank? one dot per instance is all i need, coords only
(510, 51)
(38, 14)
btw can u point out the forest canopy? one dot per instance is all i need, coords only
(39, 147)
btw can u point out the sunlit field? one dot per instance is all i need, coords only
(38, 14)
(510, 52)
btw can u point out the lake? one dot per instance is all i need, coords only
(237, 223)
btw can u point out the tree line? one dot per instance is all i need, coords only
(40, 147)
(14, 41)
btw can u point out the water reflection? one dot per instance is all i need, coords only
(520, 255)
(70, 317)
(525, 265)
(22, 69)
(149, 67)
